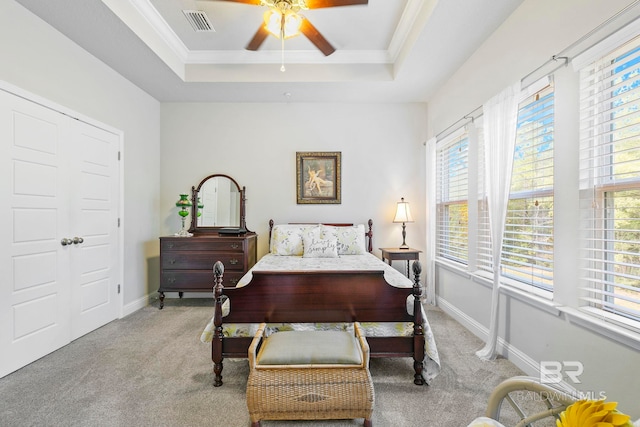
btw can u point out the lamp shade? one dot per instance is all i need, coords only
(403, 213)
(183, 201)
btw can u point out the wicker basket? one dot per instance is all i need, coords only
(310, 392)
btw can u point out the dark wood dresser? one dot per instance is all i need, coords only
(186, 263)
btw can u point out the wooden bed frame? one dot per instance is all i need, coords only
(319, 296)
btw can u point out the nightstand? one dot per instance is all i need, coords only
(396, 254)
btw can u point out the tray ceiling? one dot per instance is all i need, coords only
(386, 51)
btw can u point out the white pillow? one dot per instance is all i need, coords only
(485, 422)
(286, 239)
(350, 239)
(319, 245)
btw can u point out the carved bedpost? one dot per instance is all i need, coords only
(418, 331)
(370, 234)
(216, 343)
(270, 230)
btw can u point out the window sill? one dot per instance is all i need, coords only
(537, 301)
(535, 297)
(455, 268)
(603, 324)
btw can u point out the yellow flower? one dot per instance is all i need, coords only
(593, 413)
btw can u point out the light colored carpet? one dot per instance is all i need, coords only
(150, 369)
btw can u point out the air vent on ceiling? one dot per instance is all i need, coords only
(198, 20)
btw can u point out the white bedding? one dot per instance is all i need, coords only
(367, 262)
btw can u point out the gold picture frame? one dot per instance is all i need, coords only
(318, 177)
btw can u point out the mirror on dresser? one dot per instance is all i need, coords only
(219, 234)
(218, 202)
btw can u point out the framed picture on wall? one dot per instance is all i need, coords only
(318, 177)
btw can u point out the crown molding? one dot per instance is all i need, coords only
(291, 56)
(148, 24)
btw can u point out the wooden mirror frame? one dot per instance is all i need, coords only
(195, 228)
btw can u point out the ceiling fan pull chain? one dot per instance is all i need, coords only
(282, 44)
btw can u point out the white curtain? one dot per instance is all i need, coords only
(500, 118)
(430, 276)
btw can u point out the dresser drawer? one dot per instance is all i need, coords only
(194, 280)
(198, 260)
(202, 244)
(186, 263)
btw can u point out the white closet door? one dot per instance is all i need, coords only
(34, 293)
(59, 180)
(94, 220)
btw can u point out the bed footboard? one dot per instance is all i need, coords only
(316, 297)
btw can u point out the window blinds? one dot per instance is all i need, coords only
(527, 250)
(484, 257)
(452, 198)
(610, 182)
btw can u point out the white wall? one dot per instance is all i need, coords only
(40, 60)
(382, 160)
(533, 330)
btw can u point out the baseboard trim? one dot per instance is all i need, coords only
(511, 353)
(136, 305)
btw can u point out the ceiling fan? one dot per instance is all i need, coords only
(283, 21)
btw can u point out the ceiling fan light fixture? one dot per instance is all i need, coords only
(294, 5)
(292, 23)
(281, 24)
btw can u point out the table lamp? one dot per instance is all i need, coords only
(403, 215)
(184, 204)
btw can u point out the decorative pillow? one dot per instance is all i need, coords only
(350, 239)
(287, 239)
(319, 245)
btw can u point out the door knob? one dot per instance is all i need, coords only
(77, 240)
(65, 241)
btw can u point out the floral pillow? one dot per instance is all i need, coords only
(350, 239)
(317, 244)
(287, 239)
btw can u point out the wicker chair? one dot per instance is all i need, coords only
(529, 401)
(309, 375)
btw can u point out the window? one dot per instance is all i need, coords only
(610, 184)
(527, 248)
(451, 198)
(484, 256)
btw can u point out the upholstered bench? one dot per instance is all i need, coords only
(309, 375)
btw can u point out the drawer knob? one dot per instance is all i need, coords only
(172, 261)
(170, 245)
(171, 280)
(233, 261)
(234, 246)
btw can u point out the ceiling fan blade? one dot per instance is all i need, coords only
(258, 38)
(316, 38)
(317, 4)
(254, 2)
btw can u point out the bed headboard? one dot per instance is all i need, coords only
(368, 233)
